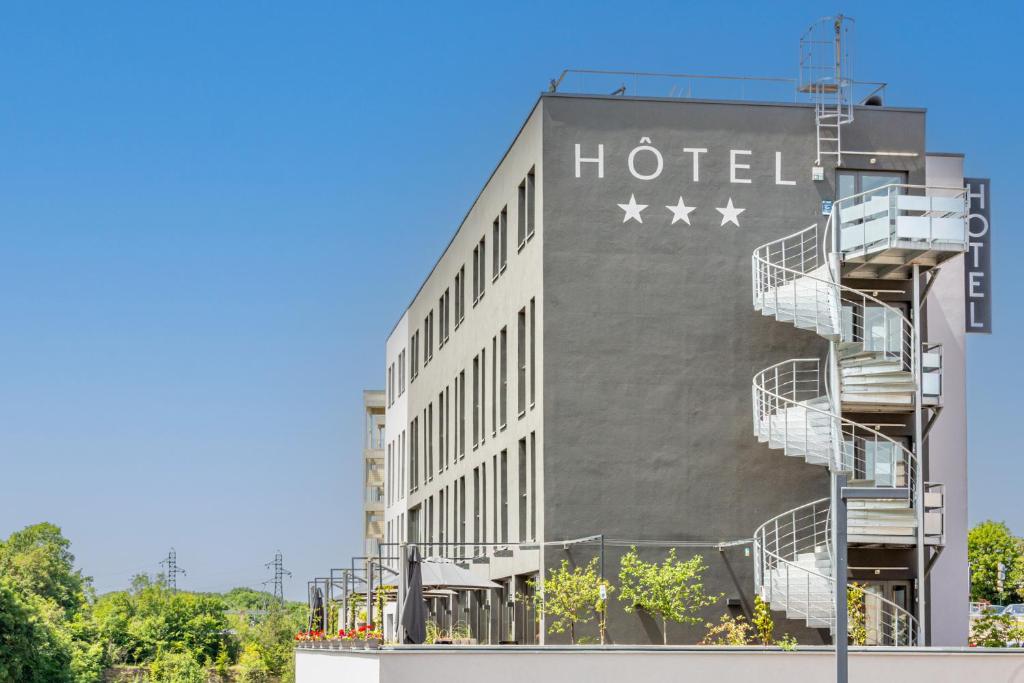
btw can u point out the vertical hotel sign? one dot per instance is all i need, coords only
(978, 266)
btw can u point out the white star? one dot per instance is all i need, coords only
(730, 213)
(632, 210)
(680, 212)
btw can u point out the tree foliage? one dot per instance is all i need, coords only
(989, 544)
(764, 625)
(672, 590)
(572, 596)
(995, 630)
(728, 631)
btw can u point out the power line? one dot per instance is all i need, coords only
(277, 564)
(171, 563)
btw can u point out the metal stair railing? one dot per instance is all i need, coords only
(794, 384)
(789, 276)
(785, 584)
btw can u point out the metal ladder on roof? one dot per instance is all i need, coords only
(826, 77)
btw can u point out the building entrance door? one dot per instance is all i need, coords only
(884, 625)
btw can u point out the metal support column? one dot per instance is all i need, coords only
(842, 639)
(918, 500)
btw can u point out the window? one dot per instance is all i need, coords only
(476, 402)
(533, 352)
(461, 531)
(521, 362)
(442, 314)
(391, 384)
(483, 395)
(523, 502)
(533, 486)
(441, 425)
(401, 372)
(494, 386)
(428, 440)
(401, 462)
(483, 501)
(499, 246)
(476, 509)
(460, 292)
(521, 216)
(448, 412)
(479, 269)
(413, 530)
(531, 203)
(414, 475)
(503, 366)
(414, 357)
(462, 414)
(504, 496)
(476, 274)
(494, 497)
(428, 338)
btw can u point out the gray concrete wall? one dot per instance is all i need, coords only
(651, 339)
(513, 664)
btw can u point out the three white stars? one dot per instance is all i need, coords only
(680, 211)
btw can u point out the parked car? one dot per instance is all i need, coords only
(1015, 610)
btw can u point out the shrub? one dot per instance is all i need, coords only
(176, 667)
(764, 625)
(728, 631)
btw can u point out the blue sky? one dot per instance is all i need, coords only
(211, 215)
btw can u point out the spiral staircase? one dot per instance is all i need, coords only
(875, 364)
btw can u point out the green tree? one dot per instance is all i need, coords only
(857, 615)
(764, 625)
(572, 596)
(39, 559)
(995, 630)
(31, 651)
(176, 667)
(989, 544)
(672, 590)
(251, 665)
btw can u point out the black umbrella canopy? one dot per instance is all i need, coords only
(414, 612)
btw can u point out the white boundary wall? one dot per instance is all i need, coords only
(512, 664)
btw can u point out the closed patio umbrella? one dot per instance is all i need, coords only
(414, 612)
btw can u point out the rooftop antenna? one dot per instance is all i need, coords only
(826, 77)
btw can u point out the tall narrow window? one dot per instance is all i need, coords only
(482, 256)
(414, 357)
(521, 362)
(533, 486)
(523, 503)
(462, 516)
(503, 366)
(402, 469)
(476, 509)
(462, 293)
(504, 496)
(448, 412)
(483, 501)
(521, 216)
(494, 385)
(401, 372)
(476, 274)
(476, 401)
(483, 395)
(495, 249)
(462, 413)
(458, 296)
(531, 203)
(533, 352)
(428, 440)
(495, 497)
(442, 424)
(503, 235)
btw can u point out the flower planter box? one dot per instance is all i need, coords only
(373, 643)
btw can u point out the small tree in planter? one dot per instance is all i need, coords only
(764, 625)
(855, 608)
(672, 591)
(572, 596)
